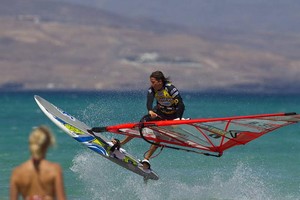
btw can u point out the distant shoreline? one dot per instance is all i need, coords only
(143, 92)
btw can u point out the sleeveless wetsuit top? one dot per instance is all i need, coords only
(168, 100)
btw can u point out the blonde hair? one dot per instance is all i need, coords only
(39, 141)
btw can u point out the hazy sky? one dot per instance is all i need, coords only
(274, 15)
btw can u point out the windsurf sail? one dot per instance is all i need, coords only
(208, 136)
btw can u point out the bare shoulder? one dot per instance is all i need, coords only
(52, 165)
(21, 168)
(19, 171)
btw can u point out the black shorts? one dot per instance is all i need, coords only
(162, 116)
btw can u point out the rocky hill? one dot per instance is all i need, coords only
(54, 46)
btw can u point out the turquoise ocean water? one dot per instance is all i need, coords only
(267, 168)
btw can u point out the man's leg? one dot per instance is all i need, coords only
(126, 139)
(151, 151)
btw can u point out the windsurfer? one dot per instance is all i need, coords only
(169, 106)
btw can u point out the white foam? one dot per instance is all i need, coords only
(105, 180)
